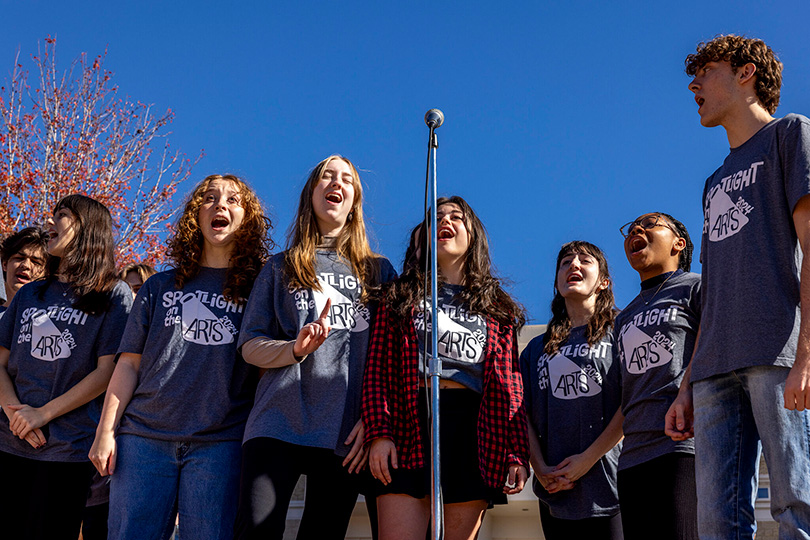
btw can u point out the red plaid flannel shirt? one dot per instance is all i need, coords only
(391, 391)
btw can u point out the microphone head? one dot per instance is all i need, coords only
(434, 118)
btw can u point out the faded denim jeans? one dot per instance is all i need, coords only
(154, 479)
(738, 415)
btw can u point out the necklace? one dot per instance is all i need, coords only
(641, 293)
(65, 287)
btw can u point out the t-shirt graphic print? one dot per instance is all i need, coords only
(723, 217)
(643, 352)
(202, 327)
(48, 343)
(345, 313)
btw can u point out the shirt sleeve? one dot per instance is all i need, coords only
(260, 317)
(7, 321)
(270, 353)
(375, 410)
(518, 452)
(794, 156)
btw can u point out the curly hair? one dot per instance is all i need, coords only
(482, 291)
(252, 242)
(88, 261)
(16, 242)
(738, 51)
(559, 327)
(351, 244)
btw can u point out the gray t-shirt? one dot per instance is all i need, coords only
(52, 347)
(315, 402)
(571, 397)
(750, 253)
(192, 383)
(654, 344)
(462, 339)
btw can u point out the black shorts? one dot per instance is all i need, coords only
(458, 439)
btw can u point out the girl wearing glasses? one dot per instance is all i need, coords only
(573, 397)
(483, 423)
(655, 336)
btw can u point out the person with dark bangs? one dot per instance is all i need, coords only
(655, 336)
(23, 255)
(573, 395)
(307, 323)
(171, 429)
(58, 341)
(483, 422)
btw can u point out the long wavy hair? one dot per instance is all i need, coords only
(351, 244)
(559, 327)
(252, 242)
(482, 291)
(88, 261)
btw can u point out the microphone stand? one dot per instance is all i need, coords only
(435, 362)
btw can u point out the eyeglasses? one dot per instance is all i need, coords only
(647, 222)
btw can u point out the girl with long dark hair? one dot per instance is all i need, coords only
(171, 429)
(58, 341)
(307, 323)
(482, 416)
(655, 336)
(573, 395)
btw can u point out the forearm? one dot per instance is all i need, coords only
(536, 453)
(119, 393)
(89, 388)
(8, 396)
(803, 345)
(269, 353)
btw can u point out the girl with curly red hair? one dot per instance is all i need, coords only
(171, 429)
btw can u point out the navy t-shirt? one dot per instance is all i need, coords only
(655, 338)
(52, 347)
(571, 397)
(192, 383)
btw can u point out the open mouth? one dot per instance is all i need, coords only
(699, 101)
(219, 223)
(23, 277)
(574, 278)
(52, 235)
(445, 233)
(334, 197)
(637, 244)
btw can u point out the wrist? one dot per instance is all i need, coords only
(46, 412)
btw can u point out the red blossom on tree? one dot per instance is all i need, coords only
(72, 134)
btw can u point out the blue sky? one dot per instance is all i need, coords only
(564, 120)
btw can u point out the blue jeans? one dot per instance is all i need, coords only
(153, 479)
(733, 413)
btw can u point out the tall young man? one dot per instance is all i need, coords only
(750, 374)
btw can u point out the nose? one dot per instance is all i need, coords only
(49, 221)
(634, 227)
(693, 85)
(575, 263)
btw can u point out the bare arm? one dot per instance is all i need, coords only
(119, 393)
(27, 418)
(797, 386)
(542, 471)
(9, 400)
(574, 467)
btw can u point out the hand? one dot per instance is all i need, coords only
(312, 335)
(358, 457)
(103, 453)
(550, 483)
(679, 421)
(797, 386)
(381, 451)
(26, 419)
(516, 479)
(573, 467)
(36, 438)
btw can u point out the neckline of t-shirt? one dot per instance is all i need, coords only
(660, 278)
(754, 136)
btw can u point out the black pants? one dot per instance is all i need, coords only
(42, 499)
(595, 528)
(270, 470)
(658, 498)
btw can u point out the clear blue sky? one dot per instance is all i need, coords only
(564, 120)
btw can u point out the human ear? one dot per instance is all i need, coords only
(747, 72)
(678, 245)
(604, 284)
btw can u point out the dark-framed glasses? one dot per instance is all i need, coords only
(646, 222)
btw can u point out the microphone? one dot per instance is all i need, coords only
(434, 118)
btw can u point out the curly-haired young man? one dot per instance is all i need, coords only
(750, 373)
